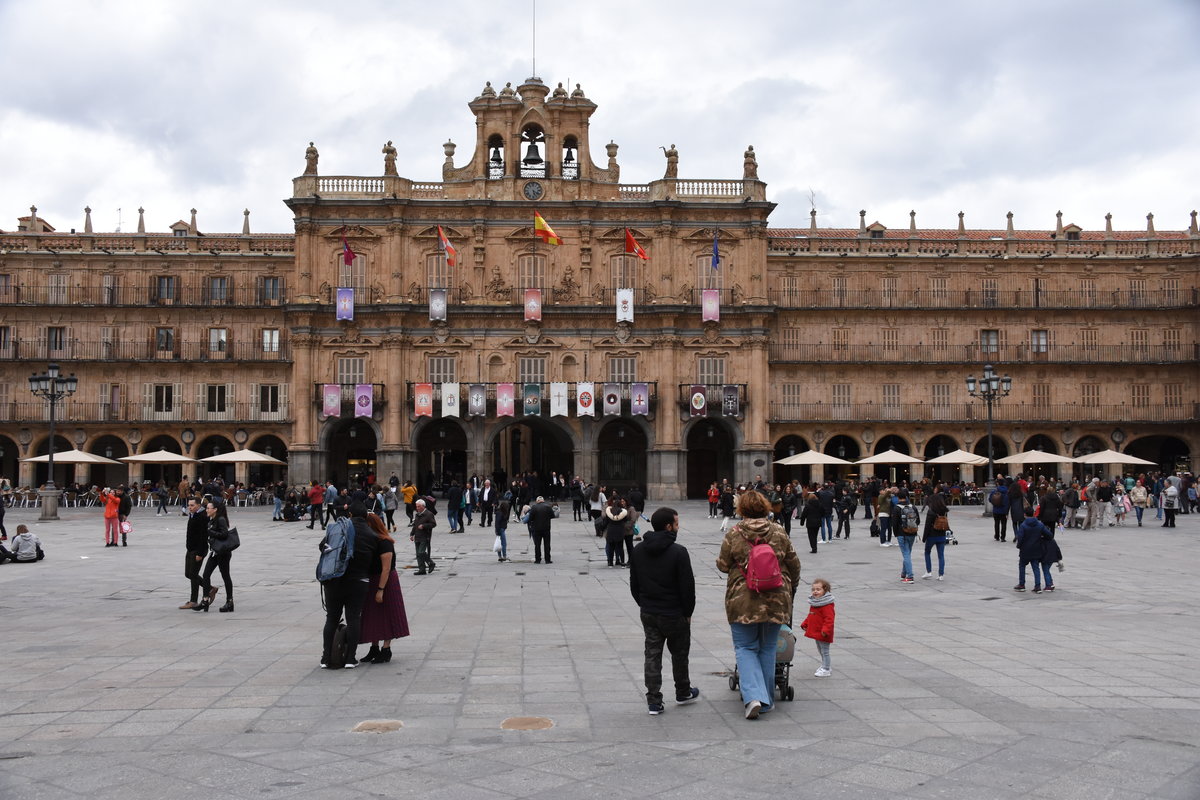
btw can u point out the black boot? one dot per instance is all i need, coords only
(227, 607)
(124, 540)
(371, 655)
(385, 655)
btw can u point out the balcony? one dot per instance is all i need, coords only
(151, 295)
(126, 350)
(714, 394)
(973, 354)
(136, 412)
(976, 413)
(624, 388)
(347, 407)
(1009, 299)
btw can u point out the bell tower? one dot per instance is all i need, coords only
(531, 144)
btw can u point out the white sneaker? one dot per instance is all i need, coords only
(752, 709)
(883, 544)
(939, 577)
(927, 576)
(822, 673)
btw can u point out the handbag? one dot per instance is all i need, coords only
(941, 523)
(126, 527)
(230, 543)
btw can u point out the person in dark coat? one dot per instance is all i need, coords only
(349, 592)
(196, 546)
(1037, 546)
(662, 584)
(1050, 508)
(541, 514)
(454, 497)
(810, 517)
(998, 500)
(615, 516)
(424, 522)
(1016, 503)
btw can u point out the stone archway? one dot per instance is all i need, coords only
(350, 449)
(710, 447)
(441, 454)
(215, 445)
(938, 446)
(109, 446)
(790, 445)
(847, 449)
(621, 447)
(64, 474)
(531, 445)
(263, 474)
(1170, 453)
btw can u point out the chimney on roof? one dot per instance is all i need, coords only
(962, 228)
(1150, 224)
(87, 219)
(192, 224)
(246, 222)
(1192, 228)
(141, 220)
(812, 220)
(1009, 230)
(1108, 223)
(912, 221)
(35, 224)
(862, 221)
(1058, 225)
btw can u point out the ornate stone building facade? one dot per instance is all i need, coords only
(847, 341)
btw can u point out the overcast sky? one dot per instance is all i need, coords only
(1088, 106)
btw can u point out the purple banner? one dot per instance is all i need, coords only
(345, 304)
(331, 400)
(364, 400)
(639, 398)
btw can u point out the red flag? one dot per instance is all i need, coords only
(347, 253)
(444, 243)
(633, 248)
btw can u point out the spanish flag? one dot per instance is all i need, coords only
(544, 231)
(447, 248)
(633, 248)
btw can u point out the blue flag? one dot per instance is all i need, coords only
(716, 259)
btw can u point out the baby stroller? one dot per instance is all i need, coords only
(785, 649)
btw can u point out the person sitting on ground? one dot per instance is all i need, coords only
(26, 548)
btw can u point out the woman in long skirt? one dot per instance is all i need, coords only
(383, 616)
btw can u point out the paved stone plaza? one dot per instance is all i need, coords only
(960, 689)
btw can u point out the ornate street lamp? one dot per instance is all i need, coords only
(989, 389)
(53, 388)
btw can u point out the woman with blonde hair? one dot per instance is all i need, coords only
(755, 616)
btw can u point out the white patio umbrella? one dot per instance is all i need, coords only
(1106, 457)
(890, 457)
(811, 458)
(243, 457)
(73, 457)
(960, 457)
(1035, 457)
(158, 457)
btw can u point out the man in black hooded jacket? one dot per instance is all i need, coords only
(662, 583)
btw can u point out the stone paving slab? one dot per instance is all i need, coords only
(953, 689)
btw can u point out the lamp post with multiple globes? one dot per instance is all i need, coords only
(52, 387)
(990, 388)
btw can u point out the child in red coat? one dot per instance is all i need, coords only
(818, 624)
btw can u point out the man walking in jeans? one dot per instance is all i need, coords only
(661, 581)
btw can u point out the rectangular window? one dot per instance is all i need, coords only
(218, 290)
(164, 398)
(889, 288)
(531, 272)
(990, 292)
(442, 369)
(57, 290)
(1139, 395)
(1087, 292)
(164, 340)
(937, 288)
(839, 289)
(166, 289)
(268, 398)
(1089, 394)
(532, 369)
(1041, 395)
(791, 290)
(1137, 291)
(622, 369)
(270, 291)
(891, 339)
(940, 338)
(351, 371)
(706, 276)
(218, 341)
(438, 271)
(710, 370)
(1089, 338)
(7, 292)
(56, 339)
(215, 398)
(110, 292)
(353, 275)
(791, 393)
(841, 338)
(1173, 395)
(270, 340)
(989, 341)
(1139, 340)
(891, 400)
(792, 338)
(5, 341)
(1170, 291)
(1171, 340)
(1039, 341)
(840, 398)
(6, 401)
(626, 272)
(940, 395)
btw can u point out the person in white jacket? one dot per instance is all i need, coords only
(26, 548)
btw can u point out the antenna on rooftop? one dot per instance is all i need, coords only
(533, 43)
(118, 220)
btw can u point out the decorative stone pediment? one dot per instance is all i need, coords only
(522, 234)
(352, 334)
(431, 232)
(706, 235)
(618, 235)
(351, 232)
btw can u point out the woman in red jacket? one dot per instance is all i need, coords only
(112, 522)
(818, 624)
(714, 498)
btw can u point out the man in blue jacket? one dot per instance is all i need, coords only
(662, 583)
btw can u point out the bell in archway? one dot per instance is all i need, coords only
(496, 159)
(569, 158)
(532, 156)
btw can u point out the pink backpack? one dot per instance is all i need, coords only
(762, 568)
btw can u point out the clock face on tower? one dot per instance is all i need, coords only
(533, 191)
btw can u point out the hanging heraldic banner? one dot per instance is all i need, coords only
(558, 400)
(639, 399)
(699, 402)
(729, 401)
(331, 400)
(533, 399)
(612, 399)
(533, 305)
(504, 400)
(477, 404)
(710, 305)
(585, 400)
(437, 304)
(624, 305)
(423, 400)
(364, 400)
(449, 399)
(345, 304)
